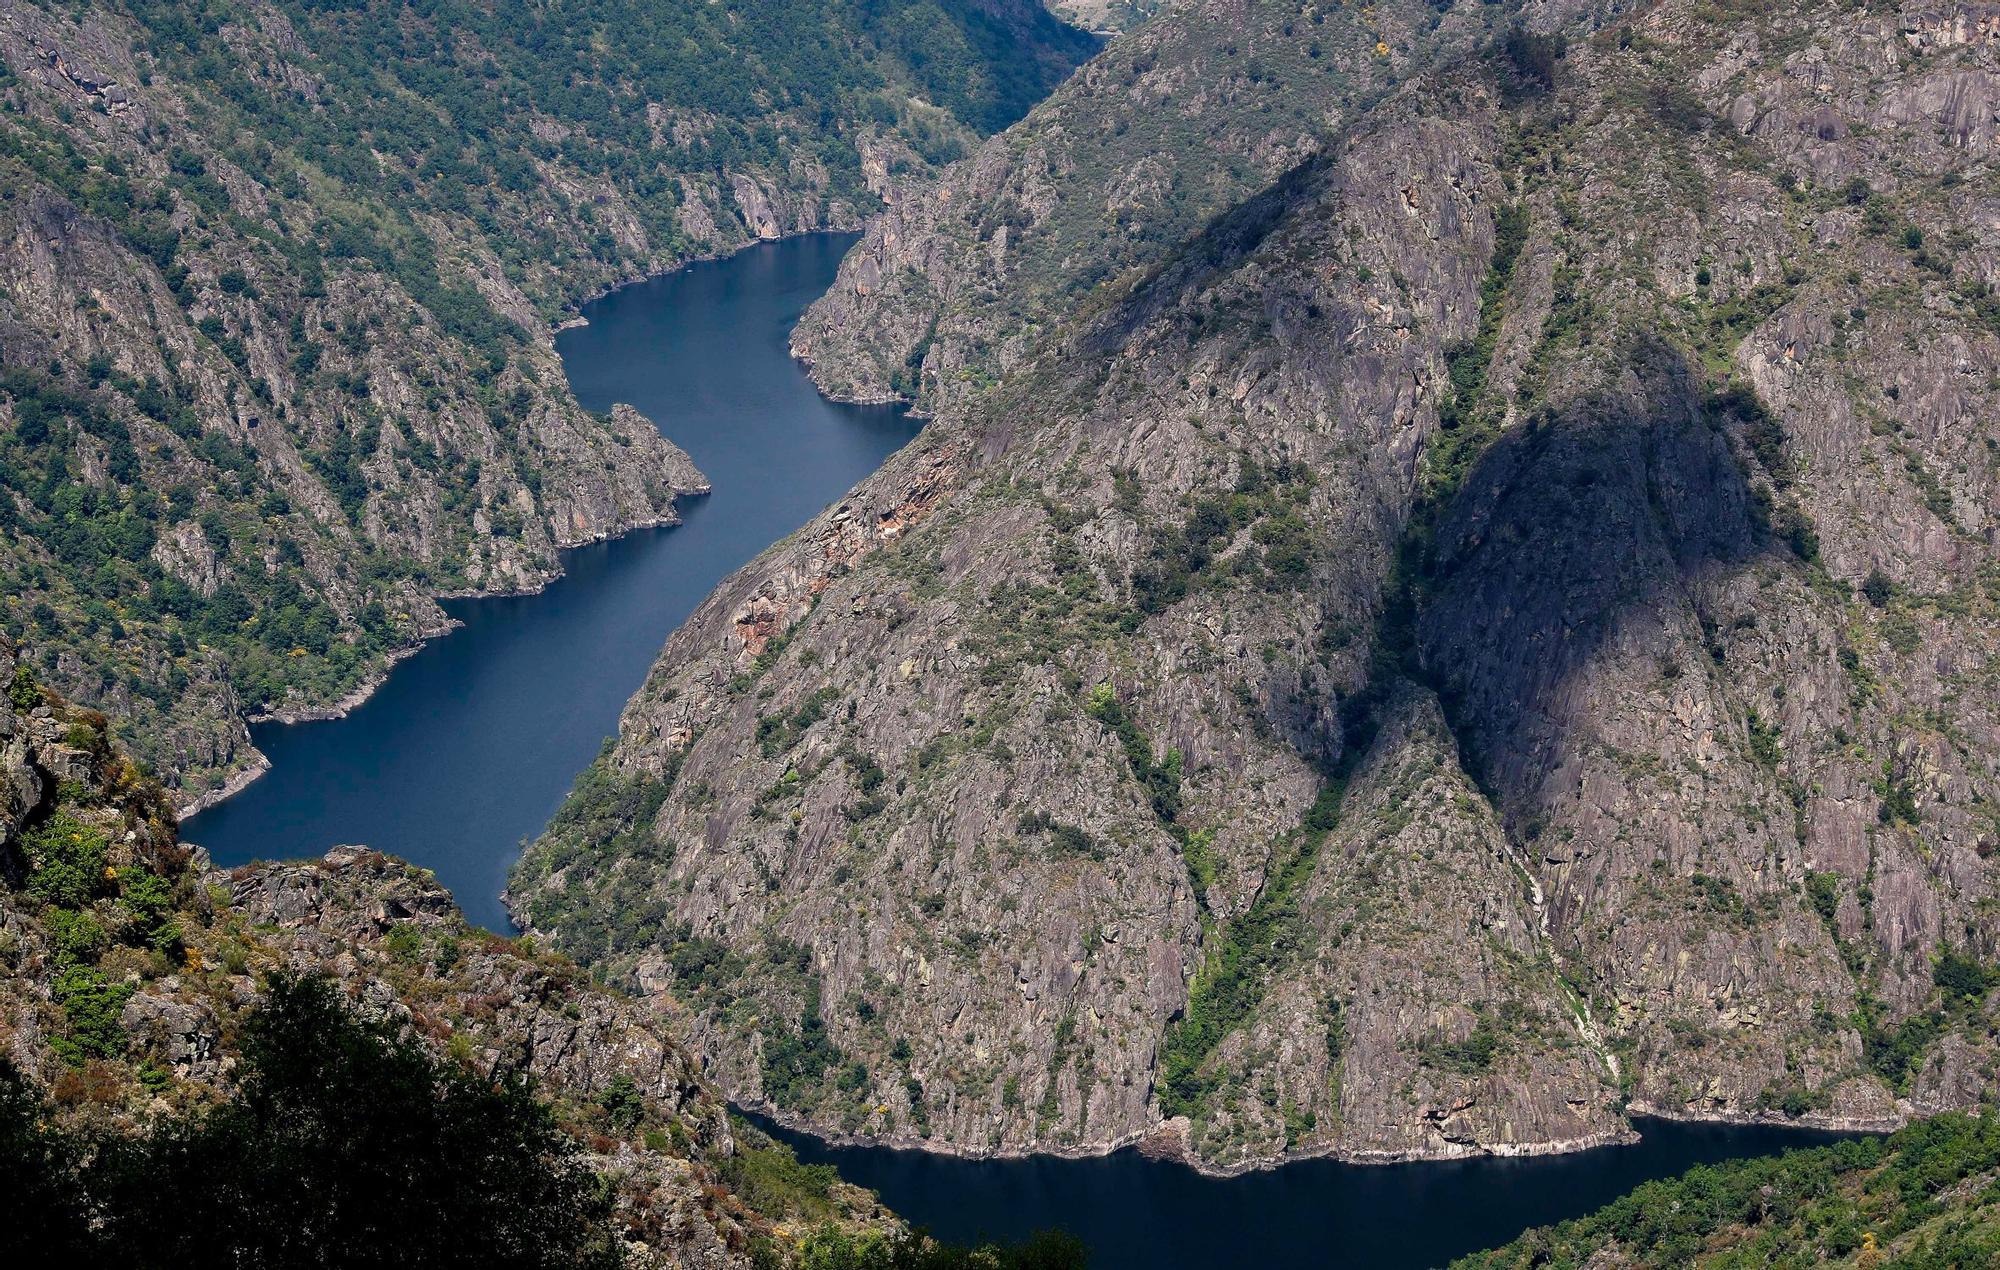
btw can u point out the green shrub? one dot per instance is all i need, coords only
(22, 690)
(1877, 589)
(770, 1179)
(1471, 1056)
(1064, 838)
(1895, 1053)
(66, 861)
(1161, 778)
(405, 943)
(1961, 978)
(76, 937)
(91, 1005)
(1532, 58)
(1823, 893)
(149, 898)
(622, 1103)
(796, 1062)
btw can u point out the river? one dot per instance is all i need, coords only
(470, 745)
(1136, 1213)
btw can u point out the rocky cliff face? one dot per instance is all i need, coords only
(275, 295)
(1492, 631)
(125, 999)
(1105, 15)
(1203, 107)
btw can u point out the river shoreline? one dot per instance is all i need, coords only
(1151, 1144)
(472, 746)
(1139, 1212)
(258, 764)
(238, 781)
(1779, 1120)
(359, 695)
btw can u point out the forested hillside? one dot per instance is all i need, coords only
(1489, 629)
(277, 278)
(1927, 1198)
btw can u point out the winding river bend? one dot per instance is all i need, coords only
(471, 744)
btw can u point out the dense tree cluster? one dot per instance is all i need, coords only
(348, 1145)
(344, 1145)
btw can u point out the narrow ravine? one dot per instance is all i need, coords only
(470, 745)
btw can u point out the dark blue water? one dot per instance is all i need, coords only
(1141, 1214)
(472, 743)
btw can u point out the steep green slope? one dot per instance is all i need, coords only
(1492, 632)
(1928, 1196)
(274, 360)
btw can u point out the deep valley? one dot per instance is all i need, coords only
(1431, 661)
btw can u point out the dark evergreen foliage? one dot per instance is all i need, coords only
(345, 1146)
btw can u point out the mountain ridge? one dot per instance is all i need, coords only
(1450, 510)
